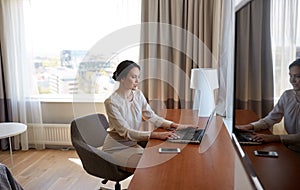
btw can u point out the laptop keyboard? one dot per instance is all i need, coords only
(197, 134)
(246, 138)
(188, 136)
(189, 133)
(185, 134)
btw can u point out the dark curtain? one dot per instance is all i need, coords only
(5, 108)
(177, 35)
(253, 65)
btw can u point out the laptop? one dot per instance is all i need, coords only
(245, 138)
(192, 135)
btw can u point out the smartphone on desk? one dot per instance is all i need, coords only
(265, 153)
(169, 150)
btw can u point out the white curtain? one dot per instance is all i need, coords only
(284, 15)
(18, 69)
(225, 98)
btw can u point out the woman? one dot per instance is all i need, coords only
(288, 107)
(126, 109)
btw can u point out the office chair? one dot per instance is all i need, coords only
(87, 133)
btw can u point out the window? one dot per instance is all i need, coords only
(285, 42)
(298, 36)
(62, 34)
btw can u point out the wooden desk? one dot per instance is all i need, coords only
(274, 173)
(212, 169)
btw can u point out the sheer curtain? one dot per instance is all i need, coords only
(284, 15)
(18, 70)
(284, 34)
(225, 98)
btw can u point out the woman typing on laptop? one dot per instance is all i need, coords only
(288, 107)
(126, 109)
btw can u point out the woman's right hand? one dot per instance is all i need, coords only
(163, 135)
(247, 127)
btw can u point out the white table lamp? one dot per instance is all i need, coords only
(204, 81)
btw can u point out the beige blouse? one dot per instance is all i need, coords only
(125, 119)
(289, 108)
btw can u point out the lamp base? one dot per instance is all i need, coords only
(206, 104)
(205, 113)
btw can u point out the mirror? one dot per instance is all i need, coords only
(242, 11)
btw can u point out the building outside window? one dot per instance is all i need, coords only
(63, 32)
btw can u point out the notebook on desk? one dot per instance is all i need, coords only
(191, 134)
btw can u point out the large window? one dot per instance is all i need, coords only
(298, 36)
(285, 26)
(62, 34)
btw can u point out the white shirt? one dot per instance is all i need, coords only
(125, 119)
(289, 108)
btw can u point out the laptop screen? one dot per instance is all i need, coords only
(242, 89)
(211, 132)
(209, 121)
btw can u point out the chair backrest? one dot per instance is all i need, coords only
(87, 133)
(91, 128)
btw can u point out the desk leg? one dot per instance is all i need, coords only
(11, 156)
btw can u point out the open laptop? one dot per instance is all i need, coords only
(245, 138)
(191, 134)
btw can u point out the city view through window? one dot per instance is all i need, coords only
(63, 31)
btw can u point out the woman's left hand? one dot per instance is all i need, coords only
(265, 138)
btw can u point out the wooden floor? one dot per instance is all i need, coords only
(52, 169)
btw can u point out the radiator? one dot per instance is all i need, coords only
(49, 134)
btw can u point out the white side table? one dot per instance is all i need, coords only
(10, 129)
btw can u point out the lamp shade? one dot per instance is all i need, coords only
(204, 76)
(204, 81)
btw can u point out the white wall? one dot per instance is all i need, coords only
(64, 112)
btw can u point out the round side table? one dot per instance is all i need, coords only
(10, 129)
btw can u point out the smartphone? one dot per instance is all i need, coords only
(169, 150)
(265, 153)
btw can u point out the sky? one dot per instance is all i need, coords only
(77, 24)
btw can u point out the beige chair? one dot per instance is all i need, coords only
(87, 134)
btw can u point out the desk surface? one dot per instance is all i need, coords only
(9, 129)
(196, 167)
(274, 173)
